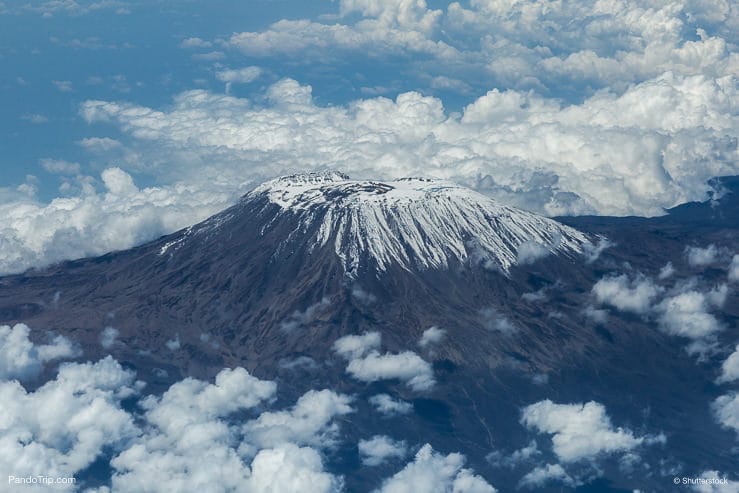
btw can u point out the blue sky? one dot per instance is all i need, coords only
(123, 120)
(54, 62)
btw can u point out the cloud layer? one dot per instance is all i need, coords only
(95, 222)
(523, 148)
(223, 436)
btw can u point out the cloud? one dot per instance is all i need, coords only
(187, 437)
(596, 315)
(586, 48)
(239, 76)
(432, 335)
(406, 366)
(518, 457)
(540, 476)
(379, 449)
(580, 431)
(635, 295)
(686, 313)
(355, 346)
(309, 422)
(191, 400)
(535, 296)
(99, 144)
(61, 167)
(362, 296)
(63, 85)
(211, 56)
(108, 337)
(716, 483)
(666, 271)
(301, 362)
(734, 269)
(726, 410)
(387, 28)
(50, 8)
(62, 427)
(174, 343)
(388, 406)
(531, 251)
(288, 468)
(195, 42)
(730, 367)
(701, 257)
(611, 155)
(493, 320)
(35, 118)
(566, 121)
(170, 441)
(365, 363)
(22, 359)
(35, 234)
(432, 471)
(299, 319)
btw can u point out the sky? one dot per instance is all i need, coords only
(123, 120)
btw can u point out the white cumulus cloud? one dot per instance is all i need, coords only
(702, 256)
(730, 367)
(379, 449)
(406, 366)
(726, 409)
(356, 346)
(35, 234)
(63, 426)
(630, 295)
(432, 335)
(687, 313)
(434, 472)
(542, 475)
(309, 422)
(579, 431)
(20, 358)
(365, 363)
(716, 484)
(388, 406)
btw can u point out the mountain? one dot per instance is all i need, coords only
(272, 283)
(412, 223)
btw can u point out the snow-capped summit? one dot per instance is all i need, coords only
(411, 222)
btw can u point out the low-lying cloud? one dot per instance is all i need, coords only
(367, 364)
(580, 431)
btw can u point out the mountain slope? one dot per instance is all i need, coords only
(412, 223)
(273, 282)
